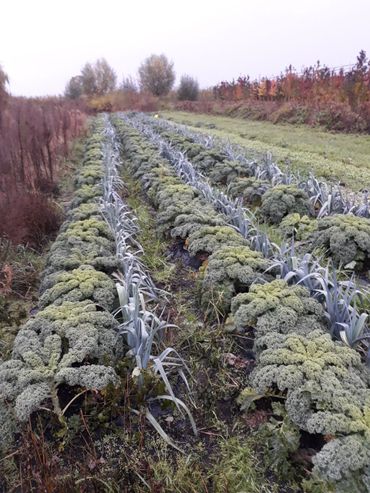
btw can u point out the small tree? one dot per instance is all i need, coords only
(105, 77)
(157, 75)
(74, 87)
(88, 79)
(188, 89)
(98, 79)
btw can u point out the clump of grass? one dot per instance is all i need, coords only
(240, 470)
(154, 246)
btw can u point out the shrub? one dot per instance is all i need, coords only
(188, 89)
(29, 219)
(282, 200)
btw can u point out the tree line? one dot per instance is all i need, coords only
(156, 75)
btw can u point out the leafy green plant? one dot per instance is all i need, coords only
(347, 240)
(282, 200)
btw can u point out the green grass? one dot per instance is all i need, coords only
(332, 156)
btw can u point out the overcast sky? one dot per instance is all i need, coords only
(44, 42)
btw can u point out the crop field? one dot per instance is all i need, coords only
(331, 156)
(202, 319)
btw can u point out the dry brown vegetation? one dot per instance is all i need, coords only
(35, 135)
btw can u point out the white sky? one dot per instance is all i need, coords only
(45, 42)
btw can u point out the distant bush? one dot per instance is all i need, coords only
(188, 89)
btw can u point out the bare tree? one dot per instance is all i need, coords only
(129, 84)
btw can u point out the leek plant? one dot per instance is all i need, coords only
(138, 324)
(346, 324)
(326, 199)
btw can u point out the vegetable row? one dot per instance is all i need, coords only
(323, 383)
(94, 305)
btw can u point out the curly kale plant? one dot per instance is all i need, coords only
(282, 200)
(193, 218)
(327, 392)
(84, 283)
(276, 307)
(226, 172)
(206, 159)
(90, 331)
(84, 211)
(91, 174)
(33, 377)
(69, 254)
(87, 194)
(208, 239)
(347, 239)
(251, 190)
(231, 270)
(298, 227)
(345, 461)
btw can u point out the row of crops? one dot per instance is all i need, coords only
(309, 337)
(97, 322)
(262, 172)
(98, 339)
(345, 239)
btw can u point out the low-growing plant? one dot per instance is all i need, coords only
(231, 270)
(298, 227)
(282, 200)
(251, 190)
(347, 240)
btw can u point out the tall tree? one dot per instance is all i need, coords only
(88, 79)
(98, 79)
(105, 77)
(157, 75)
